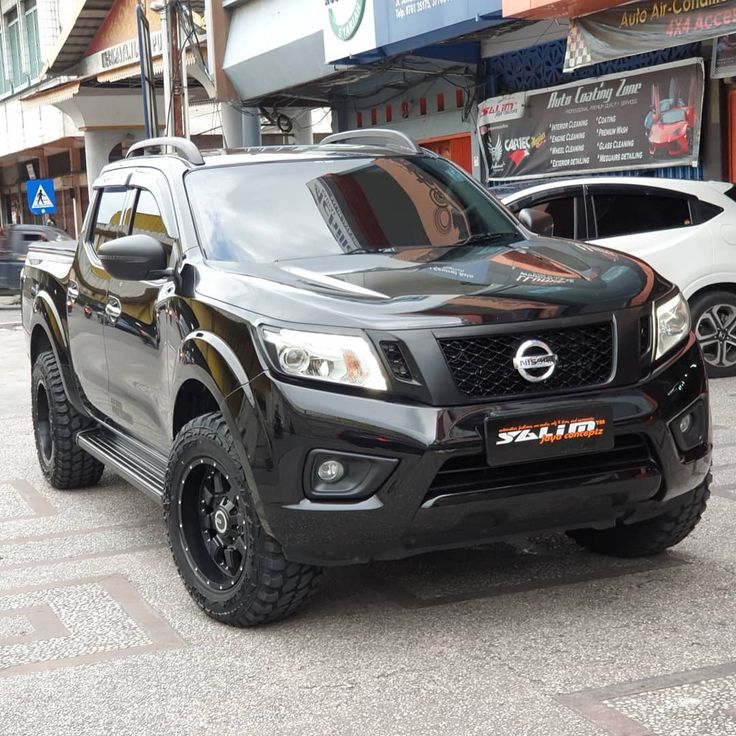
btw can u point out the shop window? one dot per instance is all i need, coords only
(626, 214)
(12, 24)
(109, 218)
(30, 21)
(4, 81)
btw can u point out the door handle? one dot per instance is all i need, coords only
(113, 309)
(72, 291)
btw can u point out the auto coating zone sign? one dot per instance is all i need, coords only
(645, 119)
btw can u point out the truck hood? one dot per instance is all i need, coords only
(534, 279)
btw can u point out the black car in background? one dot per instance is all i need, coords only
(14, 242)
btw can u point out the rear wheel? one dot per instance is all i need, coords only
(56, 424)
(649, 537)
(714, 320)
(231, 567)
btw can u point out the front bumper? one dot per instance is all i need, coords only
(405, 516)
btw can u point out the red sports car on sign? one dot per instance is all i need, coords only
(671, 130)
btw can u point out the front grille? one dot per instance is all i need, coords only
(470, 474)
(483, 366)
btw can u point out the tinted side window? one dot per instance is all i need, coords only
(703, 211)
(148, 220)
(562, 211)
(108, 221)
(626, 214)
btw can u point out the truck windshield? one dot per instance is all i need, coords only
(297, 209)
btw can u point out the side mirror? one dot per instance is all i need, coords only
(134, 258)
(537, 221)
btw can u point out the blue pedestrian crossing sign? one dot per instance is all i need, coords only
(41, 196)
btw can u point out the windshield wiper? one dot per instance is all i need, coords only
(486, 238)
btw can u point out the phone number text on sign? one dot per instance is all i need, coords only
(406, 8)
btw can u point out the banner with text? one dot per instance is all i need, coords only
(639, 27)
(644, 119)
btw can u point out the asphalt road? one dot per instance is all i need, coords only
(534, 638)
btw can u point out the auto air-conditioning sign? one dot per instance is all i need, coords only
(348, 27)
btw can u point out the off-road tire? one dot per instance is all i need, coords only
(698, 308)
(56, 424)
(650, 537)
(271, 587)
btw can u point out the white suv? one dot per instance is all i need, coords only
(685, 229)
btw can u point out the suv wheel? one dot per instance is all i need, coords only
(650, 537)
(56, 424)
(233, 570)
(714, 320)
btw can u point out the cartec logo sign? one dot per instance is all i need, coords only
(345, 17)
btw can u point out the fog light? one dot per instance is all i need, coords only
(686, 423)
(331, 471)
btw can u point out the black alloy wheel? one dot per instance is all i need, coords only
(56, 424)
(231, 567)
(213, 525)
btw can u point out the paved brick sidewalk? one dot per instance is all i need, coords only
(535, 638)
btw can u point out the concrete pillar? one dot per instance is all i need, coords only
(99, 143)
(303, 132)
(240, 129)
(340, 119)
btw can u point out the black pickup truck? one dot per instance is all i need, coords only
(339, 353)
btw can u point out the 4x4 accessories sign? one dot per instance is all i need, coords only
(526, 439)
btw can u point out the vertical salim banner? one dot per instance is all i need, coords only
(639, 27)
(643, 119)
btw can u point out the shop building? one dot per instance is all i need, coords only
(40, 142)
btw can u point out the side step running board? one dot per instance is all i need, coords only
(143, 468)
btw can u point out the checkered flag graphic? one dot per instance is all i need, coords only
(577, 53)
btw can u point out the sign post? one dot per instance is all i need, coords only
(41, 196)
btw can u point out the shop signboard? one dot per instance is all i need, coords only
(724, 57)
(643, 119)
(352, 27)
(648, 25)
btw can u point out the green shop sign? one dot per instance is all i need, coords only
(349, 28)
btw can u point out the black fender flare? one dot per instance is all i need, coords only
(45, 316)
(207, 358)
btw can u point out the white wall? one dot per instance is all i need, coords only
(263, 25)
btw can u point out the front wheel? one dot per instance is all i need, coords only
(231, 567)
(714, 321)
(650, 537)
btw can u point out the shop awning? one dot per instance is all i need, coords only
(76, 36)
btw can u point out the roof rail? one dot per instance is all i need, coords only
(183, 147)
(375, 136)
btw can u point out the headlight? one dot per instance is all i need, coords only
(346, 359)
(672, 320)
